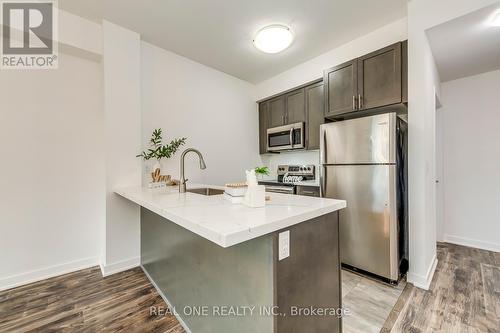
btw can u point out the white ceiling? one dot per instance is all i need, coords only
(467, 45)
(219, 33)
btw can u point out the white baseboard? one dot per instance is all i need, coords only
(120, 266)
(478, 244)
(424, 282)
(45, 273)
(179, 319)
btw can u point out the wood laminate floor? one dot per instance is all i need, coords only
(84, 301)
(464, 295)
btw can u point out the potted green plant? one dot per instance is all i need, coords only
(158, 151)
(261, 171)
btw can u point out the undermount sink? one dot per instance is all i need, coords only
(205, 191)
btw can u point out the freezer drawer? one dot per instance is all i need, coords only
(368, 140)
(368, 226)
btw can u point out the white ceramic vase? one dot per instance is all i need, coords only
(156, 165)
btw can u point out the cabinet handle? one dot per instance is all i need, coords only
(354, 102)
(283, 120)
(360, 102)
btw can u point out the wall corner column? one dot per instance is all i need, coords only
(122, 108)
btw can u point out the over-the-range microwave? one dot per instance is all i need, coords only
(287, 137)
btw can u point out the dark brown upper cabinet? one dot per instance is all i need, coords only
(304, 104)
(315, 105)
(372, 81)
(295, 107)
(263, 116)
(379, 78)
(341, 88)
(276, 112)
(287, 109)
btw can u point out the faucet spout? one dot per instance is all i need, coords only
(203, 166)
(183, 180)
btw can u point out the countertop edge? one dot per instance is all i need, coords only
(184, 223)
(237, 237)
(259, 231)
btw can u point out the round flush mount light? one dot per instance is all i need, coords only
(273, 38)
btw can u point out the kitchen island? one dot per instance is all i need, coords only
(229, 268)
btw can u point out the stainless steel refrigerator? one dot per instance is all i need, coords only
(364, 161)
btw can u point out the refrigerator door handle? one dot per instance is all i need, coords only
(322, 161)
(321, 181)
(322, 145)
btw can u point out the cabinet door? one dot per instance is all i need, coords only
(315, 110)
(263, 112)
(341, 84)
(295, 107)
(276, 112)
(379, 78)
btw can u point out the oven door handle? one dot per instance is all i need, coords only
(291, 137)
(278, 189)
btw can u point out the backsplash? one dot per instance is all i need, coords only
(295, 157)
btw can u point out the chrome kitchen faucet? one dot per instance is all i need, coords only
(182, 183)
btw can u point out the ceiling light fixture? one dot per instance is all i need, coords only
(273, 38)
(495, 21)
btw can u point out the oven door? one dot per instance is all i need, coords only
(286, 137)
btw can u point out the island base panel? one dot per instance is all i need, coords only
(195, 274)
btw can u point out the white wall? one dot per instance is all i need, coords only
(471, 160)
(423, 83)
(313, 69)
(80, 37)
(423, 86)
(52, 171)
(215, 111)
(122, 109)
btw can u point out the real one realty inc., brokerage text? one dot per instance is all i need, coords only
(243, 311)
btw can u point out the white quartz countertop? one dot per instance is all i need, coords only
(224, 223)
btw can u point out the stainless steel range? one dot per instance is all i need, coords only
(290, 177)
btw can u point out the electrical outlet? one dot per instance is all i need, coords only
(284, 245)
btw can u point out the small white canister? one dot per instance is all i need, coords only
(256, 194)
